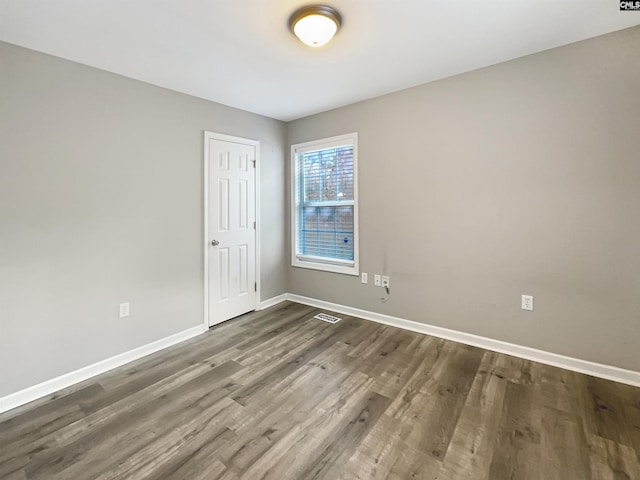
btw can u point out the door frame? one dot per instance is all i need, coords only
(244, 141)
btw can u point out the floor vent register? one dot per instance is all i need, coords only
(325, 317)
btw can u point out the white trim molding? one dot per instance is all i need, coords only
(347, 267)
(270, 302)
(48, 387)
(608, 372)
(53, 385)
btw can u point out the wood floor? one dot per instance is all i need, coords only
(278, 395)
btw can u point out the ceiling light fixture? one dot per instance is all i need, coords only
(315, 25)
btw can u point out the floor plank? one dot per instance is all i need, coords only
(470, 452)
(279, 395)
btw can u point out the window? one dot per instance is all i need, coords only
(324, 208)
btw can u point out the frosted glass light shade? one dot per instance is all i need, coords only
(315, 25)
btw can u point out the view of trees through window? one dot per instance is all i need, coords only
(326, 224)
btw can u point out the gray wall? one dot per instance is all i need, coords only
(520, 178)
(101, 203)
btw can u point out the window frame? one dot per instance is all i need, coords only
(346, 267)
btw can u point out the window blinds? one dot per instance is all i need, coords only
(326, 204)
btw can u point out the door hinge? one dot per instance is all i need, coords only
(254, 225)
(254, 163)
(255, 286)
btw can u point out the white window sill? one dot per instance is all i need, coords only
(333, 266)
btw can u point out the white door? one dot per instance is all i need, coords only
(231, 227)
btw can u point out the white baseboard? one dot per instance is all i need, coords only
(608, 372)
(48, 387)
(270, 302)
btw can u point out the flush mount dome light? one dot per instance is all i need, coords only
(315, 25)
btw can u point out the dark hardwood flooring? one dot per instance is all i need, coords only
(279, 395)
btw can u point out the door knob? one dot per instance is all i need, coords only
(215, 243)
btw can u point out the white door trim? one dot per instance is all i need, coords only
(244, 141)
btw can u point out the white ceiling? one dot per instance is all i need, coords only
(240, 52)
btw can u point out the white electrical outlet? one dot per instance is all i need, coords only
(385, 282)
(365, 277)
(376, 280)
(124, 309)
(527, 302)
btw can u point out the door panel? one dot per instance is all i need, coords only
(232, 268)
